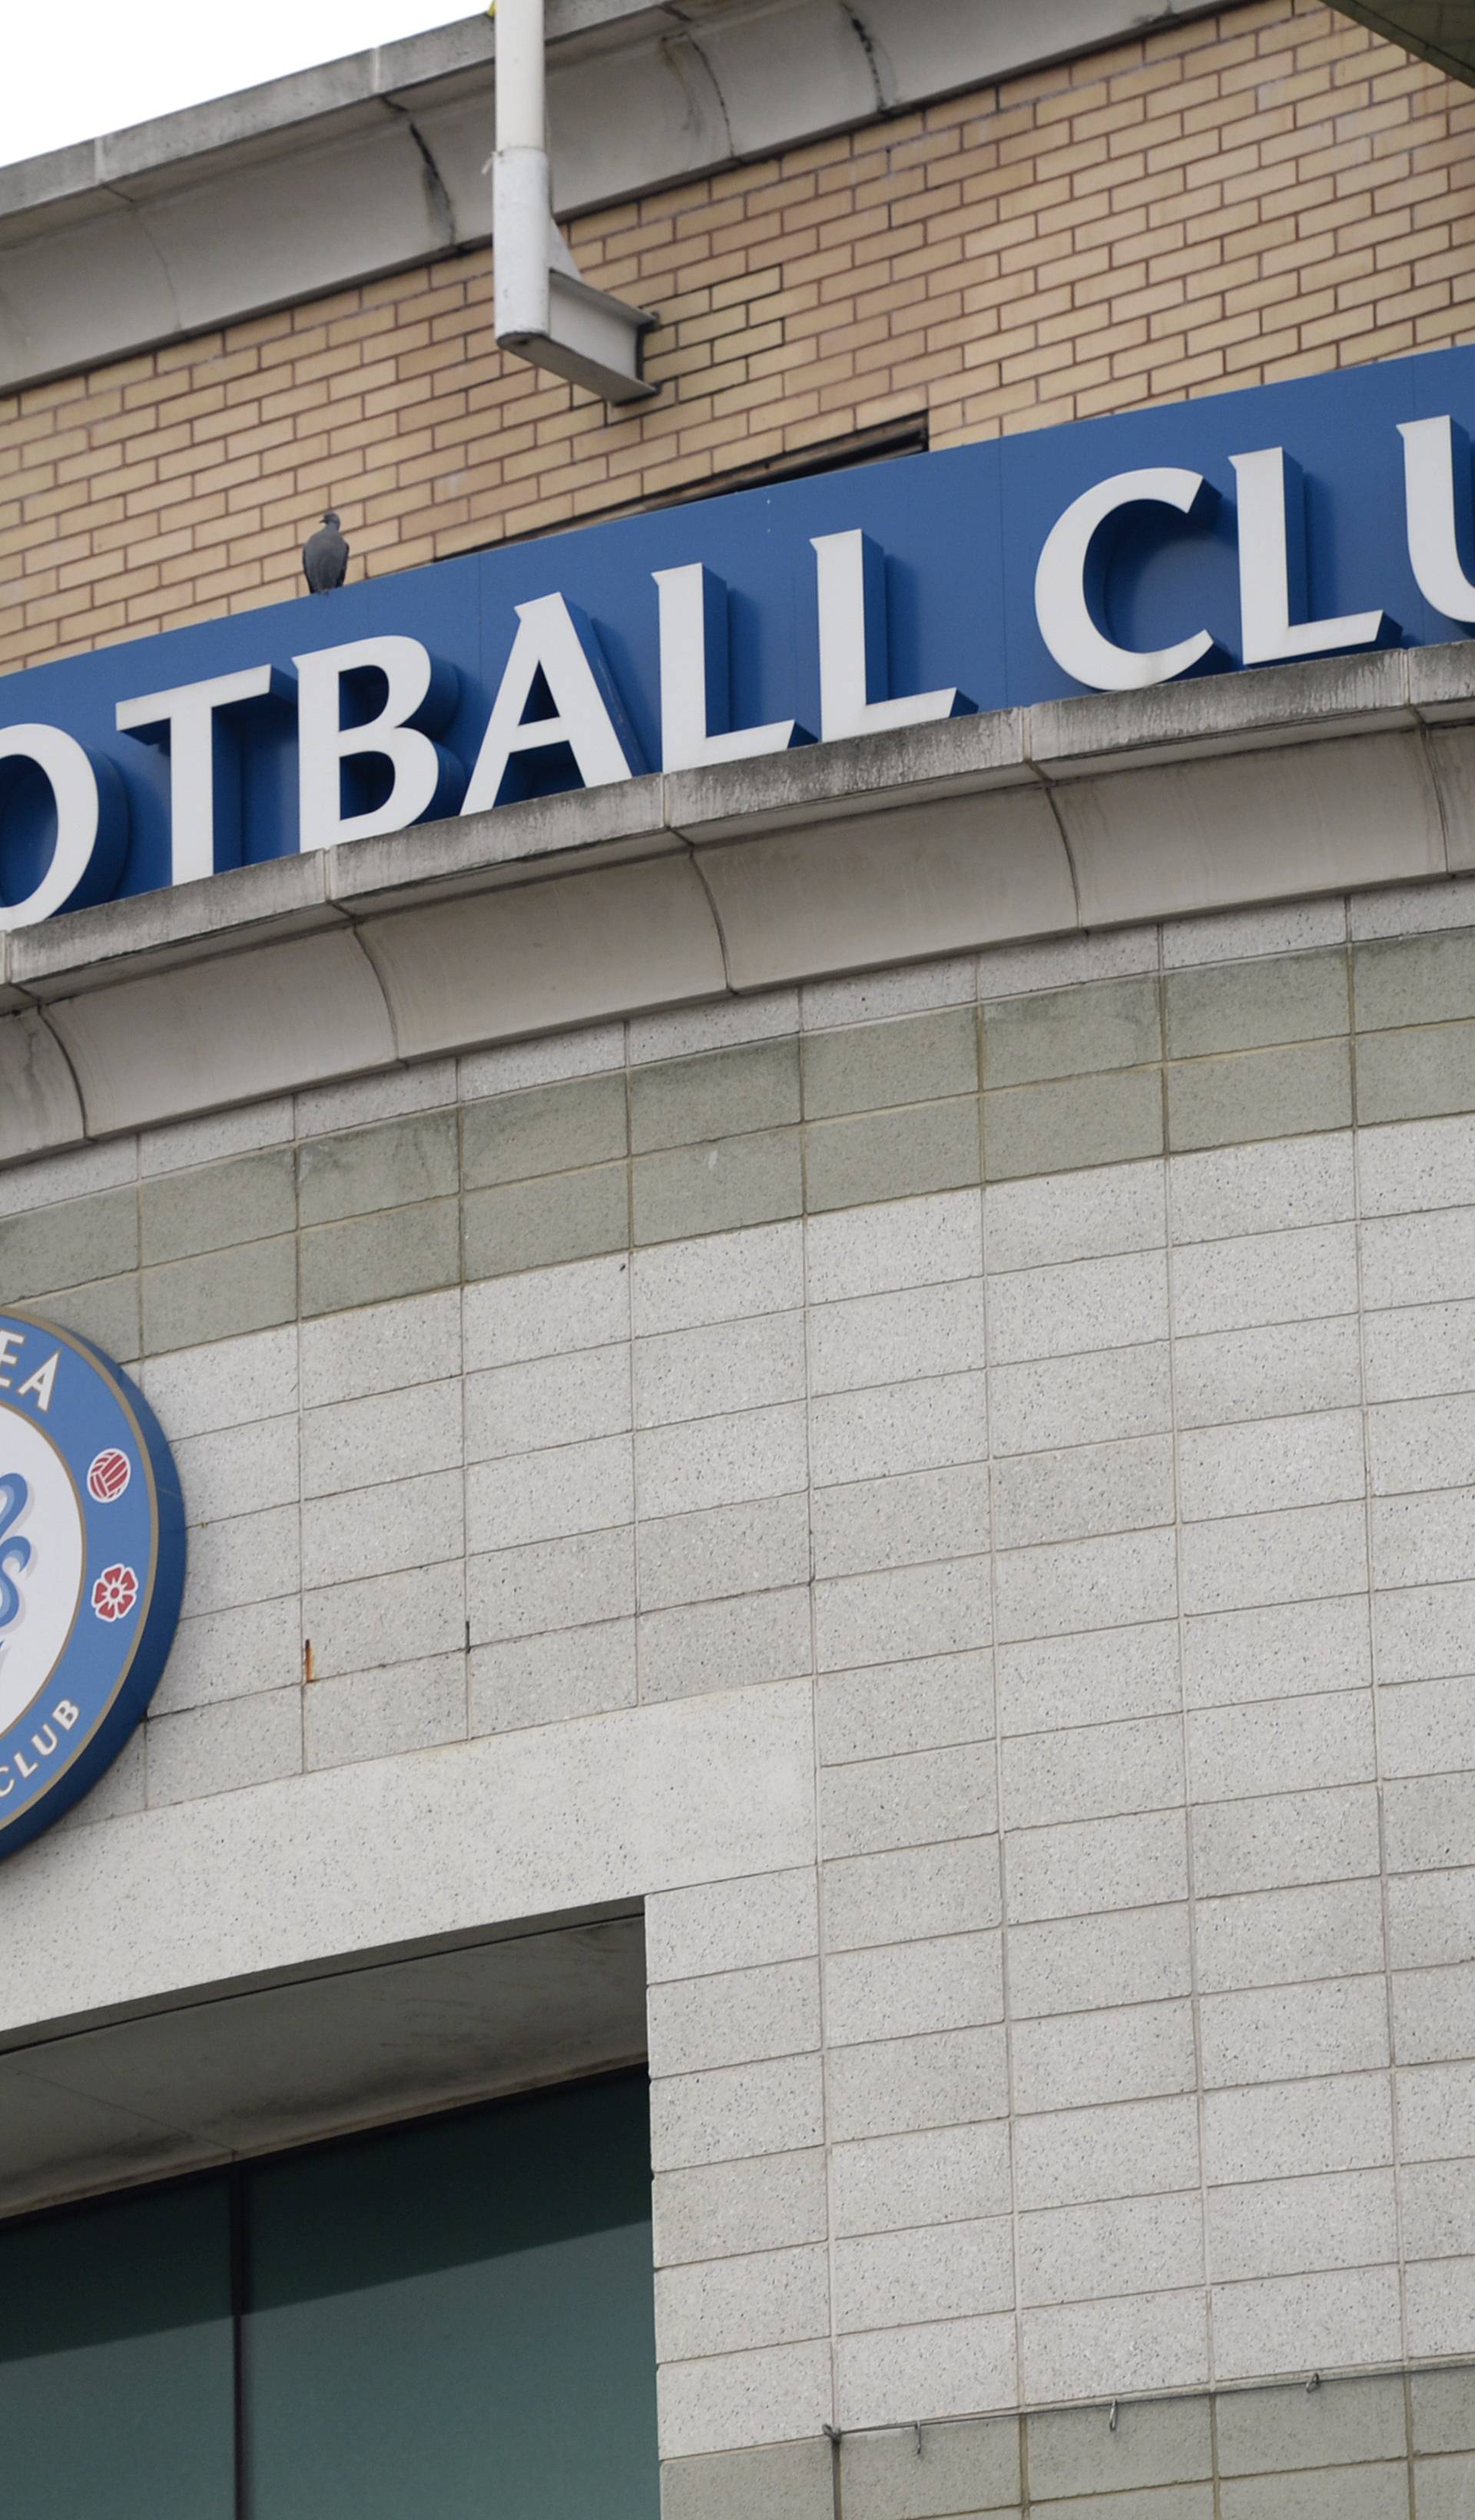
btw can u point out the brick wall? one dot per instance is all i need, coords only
(1259, 193)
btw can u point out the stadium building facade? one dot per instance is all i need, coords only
(738, 1285)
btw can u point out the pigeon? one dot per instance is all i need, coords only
(325, 556)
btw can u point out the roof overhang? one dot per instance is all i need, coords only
(1441, 31)
(215, 2072)
(378, 163)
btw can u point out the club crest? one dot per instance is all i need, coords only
(92, 1555)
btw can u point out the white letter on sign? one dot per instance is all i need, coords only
(558, 645)
(91, 810)
(42, 1381)
(853, 645)
(205, 785)
(1272, 569)
(420, 774)
(1063, 589)
(1429, 492)
(696, 729)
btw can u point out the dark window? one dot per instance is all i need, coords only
(465, 2301)
(116, 2387)
(452, 2319)
(833, 455)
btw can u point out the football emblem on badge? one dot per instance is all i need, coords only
(109, 1476)
(91, 1557)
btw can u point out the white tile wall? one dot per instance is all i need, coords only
(1119, 2034)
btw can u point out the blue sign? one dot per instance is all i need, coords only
(1324, 515)
(92, 1559)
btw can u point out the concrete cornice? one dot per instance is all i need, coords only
(1079, 814)
(375, 162)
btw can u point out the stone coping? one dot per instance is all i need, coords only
(131, 160)
(370, 165)
(1085, 813)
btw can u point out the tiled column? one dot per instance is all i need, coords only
(915, 2053)
(743, 2280)
(1095, 1857)
(1288, 1921)
(1418, 1281)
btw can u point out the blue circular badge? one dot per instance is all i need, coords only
(92, 1559)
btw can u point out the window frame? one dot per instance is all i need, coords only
(236, 2175)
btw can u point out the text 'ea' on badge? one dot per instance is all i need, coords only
(92, 1560)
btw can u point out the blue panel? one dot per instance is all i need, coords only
(962, 532)
(1174, 578)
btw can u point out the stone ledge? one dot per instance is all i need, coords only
(1290, 2448)
(1100, 811)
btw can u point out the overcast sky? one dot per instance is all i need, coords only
(73, 70)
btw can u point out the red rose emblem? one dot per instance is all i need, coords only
(115, 1593)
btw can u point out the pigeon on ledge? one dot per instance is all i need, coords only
(325, 556)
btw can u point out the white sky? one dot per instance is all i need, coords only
(84, 67)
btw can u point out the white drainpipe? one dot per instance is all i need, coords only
(545, 312)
